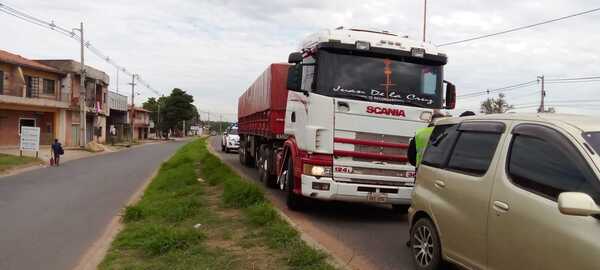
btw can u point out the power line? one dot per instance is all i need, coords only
(503, 89)
(574, 79)
(71, 34)
(519, 28)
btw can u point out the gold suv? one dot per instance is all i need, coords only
(509, 191)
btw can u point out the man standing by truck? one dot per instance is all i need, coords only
(417, 145)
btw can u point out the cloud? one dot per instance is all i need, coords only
(214, 49)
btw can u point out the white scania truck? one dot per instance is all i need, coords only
(335, 123)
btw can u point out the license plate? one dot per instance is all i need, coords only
(377, 197)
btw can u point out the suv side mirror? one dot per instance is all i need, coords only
(294, 78)
(295, 58)
(577, 204)
(450, 95)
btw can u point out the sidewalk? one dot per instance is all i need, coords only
(71, 153)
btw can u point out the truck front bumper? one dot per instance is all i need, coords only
(350, 192)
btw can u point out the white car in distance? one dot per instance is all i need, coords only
(230, 140)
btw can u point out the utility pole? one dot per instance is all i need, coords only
(157, 118)
(183, 128)
(541, 109)
(117, 80)
(82, 94)
(424, 20)
(132, 107)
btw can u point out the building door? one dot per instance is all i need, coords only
(75, 134)
(26, 122)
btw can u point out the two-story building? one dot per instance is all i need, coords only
(96, 96)
(141, 122)
(117, 122)
(31, 94)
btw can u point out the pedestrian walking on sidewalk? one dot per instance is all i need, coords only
(57, 151)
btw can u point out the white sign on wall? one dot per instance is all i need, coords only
(30, 139)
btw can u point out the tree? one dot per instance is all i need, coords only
(152, 105)
(177, 107)
(495, 105)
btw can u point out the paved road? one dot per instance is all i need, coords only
(372, 232)
(49, 217)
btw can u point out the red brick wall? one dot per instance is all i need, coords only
(9, 126)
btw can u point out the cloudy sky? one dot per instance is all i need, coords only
(215, 48)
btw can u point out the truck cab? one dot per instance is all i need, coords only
(356, 98)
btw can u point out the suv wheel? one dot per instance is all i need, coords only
(425, 245)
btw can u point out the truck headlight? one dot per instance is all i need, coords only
(316, 170)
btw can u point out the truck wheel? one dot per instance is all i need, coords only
(425, 245)
(245, 159)
(400, 208)
(260, 160)
(295, 202)
(264, 167)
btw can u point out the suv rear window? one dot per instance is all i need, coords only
(473, 152)
(441, 140)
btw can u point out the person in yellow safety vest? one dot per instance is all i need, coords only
(418, 143)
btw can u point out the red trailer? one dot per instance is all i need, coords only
(261, 109)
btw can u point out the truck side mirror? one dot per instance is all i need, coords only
(450, 95)
(295, 58)
(294, 77)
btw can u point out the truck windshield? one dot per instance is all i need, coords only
(379, 80)
(593, 139)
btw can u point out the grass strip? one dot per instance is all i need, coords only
(8, 162)
(224, 222)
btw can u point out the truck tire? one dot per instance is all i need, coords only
(245, 159)
(425, 245)
(294, 201)
(265, 163)
(260, 160)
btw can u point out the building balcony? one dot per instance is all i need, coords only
(35, 98)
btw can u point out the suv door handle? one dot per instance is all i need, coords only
(501, 206)
(440, 184)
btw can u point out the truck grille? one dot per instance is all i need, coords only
(379, 182)
(381, 150)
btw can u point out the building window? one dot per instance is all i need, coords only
(49, 87)
(32, 89)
